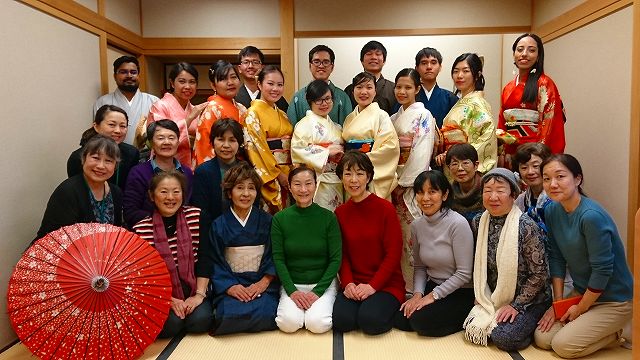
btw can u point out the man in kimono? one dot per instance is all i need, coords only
(373, 57)
(321, 62)
(437, 100)
(127, 96)
(250, 63)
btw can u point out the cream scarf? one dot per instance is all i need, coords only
(482, 319)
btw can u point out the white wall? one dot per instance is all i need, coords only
(592, 71)
(112, 54)
(205, 18)
(409, 14)
(546, 10)
(401, 52)
(50, 87)
(124, 12)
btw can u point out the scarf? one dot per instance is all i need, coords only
(185, 268)
(482, 318)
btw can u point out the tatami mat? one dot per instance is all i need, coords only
(270, 345)
(20, 352)
(618, 353)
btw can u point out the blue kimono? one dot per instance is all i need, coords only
(232, 315)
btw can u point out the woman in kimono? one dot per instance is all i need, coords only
(176, 105)
(269, 139)
(470, 120)
(317, 142)
(530, 108)
(225, 81)
(173, 231)
(369, 129)
(246, 295)
(415, 128)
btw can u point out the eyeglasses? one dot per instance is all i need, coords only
(327, 100)
(318, 62)
(251, 62)
(127, 72)
(465, 164)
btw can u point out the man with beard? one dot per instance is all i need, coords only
(127, 96)
(250, 63)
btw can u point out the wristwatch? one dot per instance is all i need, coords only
(435, 295)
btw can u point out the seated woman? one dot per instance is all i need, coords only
(225, 82)
(246, 295)
(443, 262)
(369, 129)
(173, 231)
(470, 120)
(112, 122)
(584, 238)
(269, 139)
(317, 142)
(462, 162)
(88, 196)
(163, 137)
(307, 250)
(370, 275)
(510, 277)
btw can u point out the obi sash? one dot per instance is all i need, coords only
(281, 149)
(406, 142)
(522, 124)
(364, 145)
(244, 258)
(332, 161)
(453, 134)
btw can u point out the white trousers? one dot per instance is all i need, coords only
(317, 319)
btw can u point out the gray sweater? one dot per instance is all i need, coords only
(443, 252)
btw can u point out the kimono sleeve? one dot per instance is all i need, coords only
(258, 150)
(223, 278)
(304, 151)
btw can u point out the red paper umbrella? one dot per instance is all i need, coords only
(89, 291)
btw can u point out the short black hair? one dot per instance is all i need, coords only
(353, 158)
(318, 48)
(411, 74)
(316, 89)
(180, 67)
(226, 124)
(524, 152)
(427, 53)
(438, 181)
(461, 152)
(123, 60)
(250, 50)
(268, 70)
(301, 168)
(100, 144)
(165, 124)
(373, 45)
(363, 77)
(475, 65)
(220, 70)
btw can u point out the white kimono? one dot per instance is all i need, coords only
(374, 124)
(311, 137)
(136, 112)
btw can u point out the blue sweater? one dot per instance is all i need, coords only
(587, 240)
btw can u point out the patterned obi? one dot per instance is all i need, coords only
(364, 145)
(406, 141)
(521, 117)
(453, 134)
(281, 149)
(244, 258)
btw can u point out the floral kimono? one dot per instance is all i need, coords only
(169, 108)
(372, 132)
(415, 127)
(311, 137)
(470, 121)
(217, 108)
(268, 137)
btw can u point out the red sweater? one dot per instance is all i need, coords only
(371, 245)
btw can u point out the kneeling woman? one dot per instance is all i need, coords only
(510, 268)
(443, 262)
(173, 231)
(370, 275)
(307, 250)
(246, 295)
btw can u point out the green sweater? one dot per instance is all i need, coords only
(307, 247)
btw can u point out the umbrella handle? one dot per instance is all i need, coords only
(100, 283)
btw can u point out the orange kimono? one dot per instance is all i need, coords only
(217, 108)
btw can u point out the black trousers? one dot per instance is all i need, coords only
(373, 316)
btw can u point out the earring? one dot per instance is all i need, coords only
(533, 71)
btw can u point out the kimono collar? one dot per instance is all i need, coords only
(476, 93)
(373, 107)
(244, 222)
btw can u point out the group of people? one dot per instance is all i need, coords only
(328, 213)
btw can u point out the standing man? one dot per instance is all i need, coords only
(321, 61)
(373, 56)
(127, 96)
(438, 101)
(250, 62)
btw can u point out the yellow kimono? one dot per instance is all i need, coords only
(268, 137)
(373, 124)
(311, 137)
(470, 121)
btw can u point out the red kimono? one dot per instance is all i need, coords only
(542, 121)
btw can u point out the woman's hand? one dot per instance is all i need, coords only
(284, 182)
(363, 291)
(441, 158)
(195, 113)
(335, 149)
(350, 291)
(572, 313)
(300, 300)
(427, 300)
(506, 313)
(547, 320)
(192, 303)
(239, 292)
(179, 307)
(256, 289)
(311, 297)
(409, 306)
